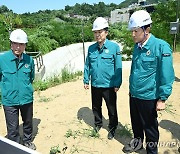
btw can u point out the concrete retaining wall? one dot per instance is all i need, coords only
(70, 56)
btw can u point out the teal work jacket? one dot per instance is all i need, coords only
(103, 66)
(16, 80)
(152, 73)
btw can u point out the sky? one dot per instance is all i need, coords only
(24, 6)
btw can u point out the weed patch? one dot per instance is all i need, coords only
(124, 131)
(83, 133)
(65, 76)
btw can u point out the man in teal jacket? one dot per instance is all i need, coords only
(104, 68)
(16, 76)
(151, 80)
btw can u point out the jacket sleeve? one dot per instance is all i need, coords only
(166, 72)
(0, 70)
(0, 73)
(118, 68)
(86, 71)
(32, 70)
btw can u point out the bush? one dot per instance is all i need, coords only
(65, 76)
(121, 34)
(43, 44)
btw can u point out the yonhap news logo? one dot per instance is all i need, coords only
(165, 144)
(136, 144)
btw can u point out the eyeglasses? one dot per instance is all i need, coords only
(97, 32)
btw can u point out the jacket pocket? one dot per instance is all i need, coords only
(93, 58)
(26, 75)
(8, 75)
(8, 82)
(93, 62)
(27, 71)
(149, 62)
(107, 60)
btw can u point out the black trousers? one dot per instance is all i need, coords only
(110, 98)
(144, 120)
(12, 122)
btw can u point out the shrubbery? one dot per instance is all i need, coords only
(48, 30)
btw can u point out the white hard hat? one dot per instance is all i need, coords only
(18, 36)
(100, 23)
(138, 19)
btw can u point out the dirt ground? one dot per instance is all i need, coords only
(67, 107)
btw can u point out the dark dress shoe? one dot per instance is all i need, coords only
(133, 146)
(97, 128)
(111, 134)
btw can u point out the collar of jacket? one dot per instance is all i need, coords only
(148, 43)
(105, 45)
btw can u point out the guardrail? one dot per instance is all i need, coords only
(38, 59)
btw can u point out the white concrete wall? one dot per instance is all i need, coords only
(71, 57)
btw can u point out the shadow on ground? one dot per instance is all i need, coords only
(177, 79)
(174, 128)
(86, 115)
(36, 122)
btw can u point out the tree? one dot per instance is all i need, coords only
(3, 9)
(68, 8)
(18, 22)
(7, 19)
(162, 16)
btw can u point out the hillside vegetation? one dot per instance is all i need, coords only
(50, 29)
